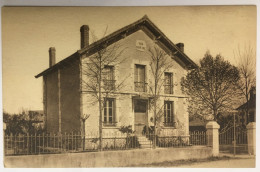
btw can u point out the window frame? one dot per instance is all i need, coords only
(140, 86)
(169, 117)
(170, 74)
(109, 84)
(106, 112)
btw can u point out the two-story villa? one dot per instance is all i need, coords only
(66, 101)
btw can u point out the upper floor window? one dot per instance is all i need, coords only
(168, 114)
(140, 85)
(168, 83)
(109, 82)
(109, 111)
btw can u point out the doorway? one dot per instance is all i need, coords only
(140, 112)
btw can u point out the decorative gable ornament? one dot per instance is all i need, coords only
(140, 45)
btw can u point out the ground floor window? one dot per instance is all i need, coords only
(109, 111)
(168, 114)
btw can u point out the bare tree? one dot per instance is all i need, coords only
(83, 119)
(211, 86)
(98, 76)
(160, 63)
(247, 68)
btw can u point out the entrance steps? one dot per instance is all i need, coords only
(144, 142)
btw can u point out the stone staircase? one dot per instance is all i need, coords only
(144, 142)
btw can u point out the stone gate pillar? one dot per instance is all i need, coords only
(213, 136)
(251, 138)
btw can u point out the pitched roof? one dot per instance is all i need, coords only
(251, 105)
(197, 122)
(145, 24)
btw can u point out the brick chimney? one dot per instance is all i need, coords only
(180, 46)
(52, 58)
(84, 36)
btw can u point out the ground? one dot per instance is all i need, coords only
(231, 163)
(223, 161)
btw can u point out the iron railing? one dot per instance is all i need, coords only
(77, 142)
(226, 136)
(140, 87)
(198, 138)
(168, 89)
(109, 84)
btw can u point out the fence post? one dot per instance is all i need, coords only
(251, 140)
(213, 137)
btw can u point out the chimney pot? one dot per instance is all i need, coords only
(180, 46)
(52, 57)
(84, 36)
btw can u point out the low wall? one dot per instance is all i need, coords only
(125, 158)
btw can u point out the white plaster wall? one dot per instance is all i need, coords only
(125, 72)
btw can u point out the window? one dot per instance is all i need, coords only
(168, 84)
(168, 114)
(109, 82)
(109, 112)
(140, 85)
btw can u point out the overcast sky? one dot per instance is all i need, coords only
(28, 32)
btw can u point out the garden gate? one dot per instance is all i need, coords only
(233, 140)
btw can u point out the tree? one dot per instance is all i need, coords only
(98, 78)
(211, 86)
(160, 62)
(22, 123)
(83, 119)
(247, 69)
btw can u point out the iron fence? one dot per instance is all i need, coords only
(76, 142)
(233, 140)
(198, 138)
(227, 135)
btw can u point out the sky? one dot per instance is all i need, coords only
(28, 32)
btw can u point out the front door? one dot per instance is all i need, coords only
(140, 110)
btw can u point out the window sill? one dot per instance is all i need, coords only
(169, 127)
(110, 127)
(169, 94)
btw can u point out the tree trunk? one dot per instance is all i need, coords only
(247, 109)
(155, 122)
(84, 136)
(100, 106)
(215, 114)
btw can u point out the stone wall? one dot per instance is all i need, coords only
(70, 97)
(126, 158)
(52, 101)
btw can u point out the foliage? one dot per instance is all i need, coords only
(126, 129)
(131, 141)
(22, 123)
(246, 60)
(211, 87)
(171, 141)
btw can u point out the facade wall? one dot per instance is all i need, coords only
(51, 101)
(124, 73)
(70, 97)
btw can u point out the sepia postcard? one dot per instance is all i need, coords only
(168, 86)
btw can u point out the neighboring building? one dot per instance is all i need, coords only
(251, 106)
(65, 102)
(197, 124)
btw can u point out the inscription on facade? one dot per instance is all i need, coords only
(140, 45)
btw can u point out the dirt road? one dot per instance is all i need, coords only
(231, 163)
